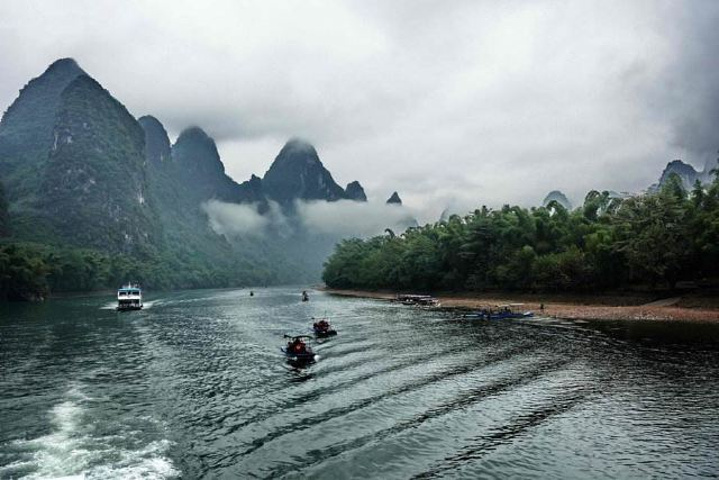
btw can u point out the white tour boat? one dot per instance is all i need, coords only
(129, 297)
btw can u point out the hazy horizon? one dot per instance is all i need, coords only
(451, 104)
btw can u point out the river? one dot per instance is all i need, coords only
(195, 386)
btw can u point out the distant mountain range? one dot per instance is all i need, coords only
(686, 173)
(78, 169)
(557, 196)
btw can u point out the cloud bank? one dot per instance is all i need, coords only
(471, 102)
(346, 218)
(341, 219)
(233, 220)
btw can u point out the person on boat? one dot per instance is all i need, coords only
(322, 326)
(297, 346)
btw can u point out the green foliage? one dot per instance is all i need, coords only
(95, 176)
(649, 241)
(23, 272)
(4, 216)
(30, 271)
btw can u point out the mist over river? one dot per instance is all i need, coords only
(195, 386)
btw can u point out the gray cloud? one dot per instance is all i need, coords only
(465, 102)
(692, 94)
(233, 220)
(353, 219)
(344, 218)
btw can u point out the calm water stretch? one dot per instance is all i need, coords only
(195, 386)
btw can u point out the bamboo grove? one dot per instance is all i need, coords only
(649, 241)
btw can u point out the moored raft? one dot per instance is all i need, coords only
(500, 312)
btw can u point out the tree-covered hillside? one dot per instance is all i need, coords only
(647, 241)
(90, 198)
(94, 186)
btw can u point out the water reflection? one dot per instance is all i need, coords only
(197, 387)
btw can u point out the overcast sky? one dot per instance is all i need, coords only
(449, 102)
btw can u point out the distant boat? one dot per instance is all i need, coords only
(418, 300)
(499, 312)
(323, 329)
(129, 297)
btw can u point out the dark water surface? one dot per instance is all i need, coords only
(195, 387)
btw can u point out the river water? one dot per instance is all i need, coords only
(195, 386)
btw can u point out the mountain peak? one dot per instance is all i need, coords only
(65, 65)
(298, 173)
(196, 152)
(157, 142)
(194, 132)
(298, 150)
(197, 163)
(298, 145)
(150, 120)
(561, 198)
(355, 192)
(686, 173)
(394, 199)
(39, 99)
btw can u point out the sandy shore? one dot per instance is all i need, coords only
(578, 307)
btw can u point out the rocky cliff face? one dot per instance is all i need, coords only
(26, 129)
(157, 143)
(354, 191)
(252, 191)
(4, 218)
(298, 173)
(197, 163)
(95, 176)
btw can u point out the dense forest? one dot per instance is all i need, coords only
(648, 241)
(30, 271)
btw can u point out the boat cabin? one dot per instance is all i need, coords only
(129, 297)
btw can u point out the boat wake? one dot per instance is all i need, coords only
(145, 306)
(73, 450)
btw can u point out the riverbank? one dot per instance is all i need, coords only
(577, 307)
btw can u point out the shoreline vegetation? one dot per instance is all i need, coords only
(653, 256)
(689, 308)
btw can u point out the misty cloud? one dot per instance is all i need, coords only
(344, 218)
(233, 220)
